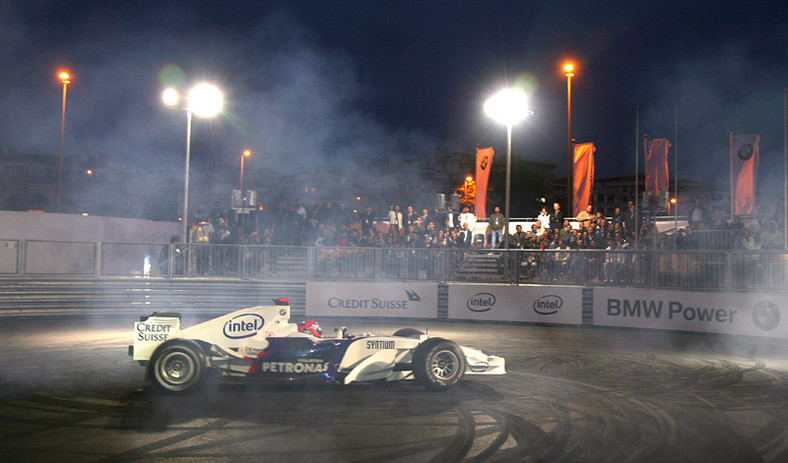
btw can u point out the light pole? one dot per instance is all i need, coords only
(204, 100)
(244, 155)
(65, 78)
(569, 69)
(509, 106)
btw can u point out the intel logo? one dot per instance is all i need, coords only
(243, 326)
(481, 302)
(548, 305)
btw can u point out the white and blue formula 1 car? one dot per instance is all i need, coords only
(260, 342)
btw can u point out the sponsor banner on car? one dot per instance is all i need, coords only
(754, 314)
(373, 299)
(541, 304)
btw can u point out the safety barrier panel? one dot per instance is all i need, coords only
(692, 270)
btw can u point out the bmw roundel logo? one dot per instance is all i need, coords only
(745, 152)
(766, 315)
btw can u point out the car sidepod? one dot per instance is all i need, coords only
(377, 358)
(299, 358)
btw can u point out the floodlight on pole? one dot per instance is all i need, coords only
(204, 100)
(569, 72)
(65, 78)
(509, 106)
(244, 155)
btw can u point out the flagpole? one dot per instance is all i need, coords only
(785, 167)
(645, 187)
(676, 170)
(637, 169)
(730, 144)
(574, 178)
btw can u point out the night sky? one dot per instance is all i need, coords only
(312, 83)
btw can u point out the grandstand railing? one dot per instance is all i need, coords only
(727, 270)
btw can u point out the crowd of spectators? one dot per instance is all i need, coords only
(604, 239)
(331, 224)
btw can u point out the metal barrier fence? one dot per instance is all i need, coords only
(709, 270)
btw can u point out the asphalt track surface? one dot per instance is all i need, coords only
(69, 392)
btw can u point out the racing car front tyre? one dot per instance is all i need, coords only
(176, 366)
(438, 364)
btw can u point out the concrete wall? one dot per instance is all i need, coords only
(16, 225)
(46, 252)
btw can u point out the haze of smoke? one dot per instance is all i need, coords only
(286, 98)
(720, 90)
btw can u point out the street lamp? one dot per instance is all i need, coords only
(509, 106)
(65, 78)
(244, 155)
(204, 100)
(569, 71)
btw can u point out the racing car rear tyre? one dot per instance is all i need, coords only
(408, 333)
(438, 364)
(176, 366)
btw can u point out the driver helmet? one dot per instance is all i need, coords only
(310, 327)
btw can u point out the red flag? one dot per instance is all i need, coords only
(484, 158)
(745, 156)
(583, 176)
(657, 165)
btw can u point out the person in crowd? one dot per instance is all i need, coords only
(595, 235)
(496, 222)
(699, 216)
(431, 231)
(465, 239)
(687, 239)
(585, 216)
(437, 217)
(556, 217)
(367, 219)
(409, 217)
(453, 238)
(201, 234)
(441, 240)
(746, 264)
(561, 261)
(613, 262)
(342, 215)
(564, 233)
(395, 219)
(409, 237)
(572, 241)
(519, 236)
(542, 221)
(630, 220)
(600, 216)
(467, 217)
(618, 218)
(343, 240)
(379, 240)
(419, 226)
(300, 209)
(452, 218)
(222, 256)
(425, 216)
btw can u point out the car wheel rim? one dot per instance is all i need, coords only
(444, 364)
(176, 368)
